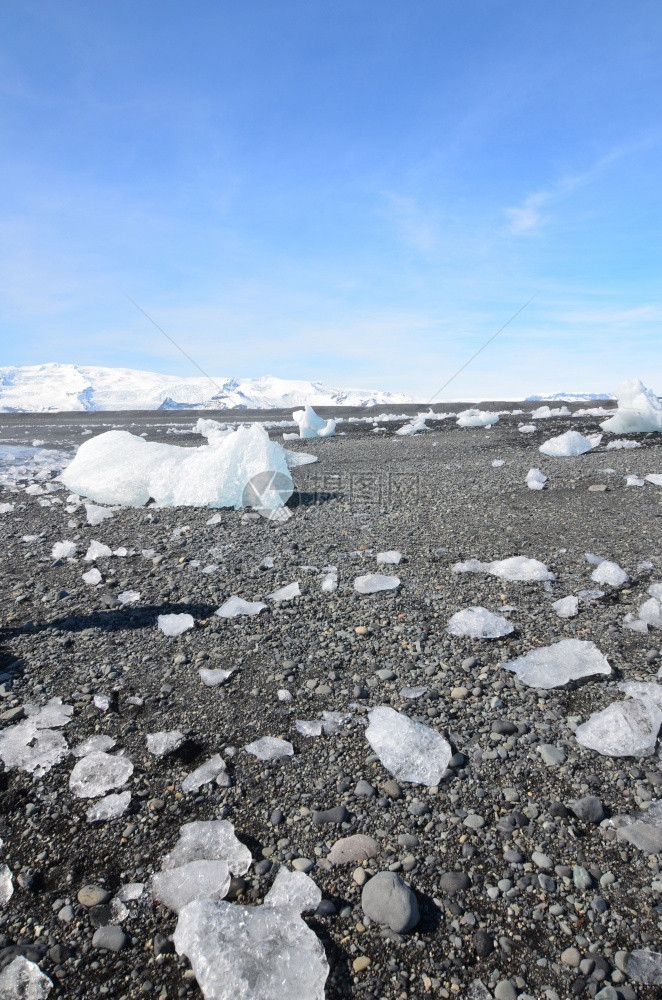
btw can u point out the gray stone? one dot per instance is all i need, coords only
(589, 808)
(541, 860)
(364, 788)
(571, 957)
(551, 755)
(388, 900)
(334, 816)
(93, 895)
(474, 821)
(111, 938)
(452, 882)
(504, 990)
(581, 877)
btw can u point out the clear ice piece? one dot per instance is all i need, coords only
(209, 840)
(555, 665)
(566, 607)
(203, 774)
(175, 887)
(236, 606)
(24, 980)
(98, 773)
(409, 750)
(567, 445)
(516, 568)
(173, 625)
(163, 743)
(479, 623)
(623, 729)
(270, 748)
(371, 583)
(109, 807)
(294, 889)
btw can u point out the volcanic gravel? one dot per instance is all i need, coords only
(516, 885)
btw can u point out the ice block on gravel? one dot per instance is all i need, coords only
(651, 612)
(6, 885)
(639, 410)
(173, 625)
(643, 829)
(245, 953)
(287, 593)
(372, 583)
(556, 665)
(63, 550)
(209, 840)
(535, 479)
(164, 743)
(235, 606)
(518, 569)
(212, 677)
(623, 729)
(204, 774)
(476, 418)
(479, 623)
(294, 889)
(24, 980)
(32, 749)
(269, 748)
(110, 807)
(609, 572)
(97, 773)
(566, 445)
(392, 557)
(175, 887)
(311, 425)
(566, 607)
(644, 966)
(409, 750)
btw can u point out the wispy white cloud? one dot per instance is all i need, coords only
(415, 226)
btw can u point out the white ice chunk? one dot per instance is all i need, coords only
(655, 478)
(623, 729)
(173, 625)
(175, 887)
(308, 728)
(95, 514)
(92, 577)
(6, 885)
(287, 593)
(635, 624)
(371, 583)
(566, 607)
(651, 612)
(24, 980)
(590, 595)
(121, 468)
(162, 743)
(566, 445)
(329, 582)
(101, 701)
(639, 410)
(527, 428)
(204, 774)
(633, 481)
(515, 568)
(479, 623)
(332, 721)
(312, 426)
(620, 443)
(295, 459)
(415, 426)
(6, 508)
(643, 966)
(284, 695)
(545, 412)
(643, 829)
(409, 750)
(411, 693)
(128, 596)
(270, 748)
(96, 742)
(97, 550)
(535, 479)
(213, 677)
(611, 573)
(236, 606)
(392, 557)
(31, 748)
(497, 463)
(109, 807)
(646, 691)
(555, 665)
(130, 891)
(245, 953)
(209, 840)
(294, 890)
(63, 550)
(97, 773)
(593, 559)
(655, 590)
(476, 418)
(52, 715)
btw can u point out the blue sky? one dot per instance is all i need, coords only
(355, 191)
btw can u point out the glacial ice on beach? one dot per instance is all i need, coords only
(109, 807)
(162, 743)
(527, 428)
(476, 418)
(97, 773)
(128, 596)
(639, 410)
(173, 625)
(643, 966)
(312, 426)
(97, 550)
(294, 889)
(308, 728)
(32, 745)
(409, 750)
(24, 980)
(287, 593)
(566, 607)
(96, 742)
(176, 887)
(515, 568)
(566, 445)
(245, 952)
(415, 426)
(120, 468)
(556, 665)
(623, 729)
(479, 623)
(63, 550)
(655, 478)
(392, 557)
(651, 612)
(235, 607)
(372, 583)
(95, 515)
(212, 677)
(545, 412)
(535, 479)
(6, 885)
(609, 572)
(269, 748)
(92, 577)
(204, 774)
(209, 840)
(643, 829)
(633, 481)
(621, 443)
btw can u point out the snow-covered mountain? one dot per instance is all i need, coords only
(570, 397)
(53, 387)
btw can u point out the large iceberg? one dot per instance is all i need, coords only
(555, 665)
(639, 410)
(121, 468)
(409, 750)
(312, 426)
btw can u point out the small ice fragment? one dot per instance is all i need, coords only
(102, 702)
(162, 743)
(633, 481)
(213, 677)
(211, 568)
(236, 606)
(270, 748)
(641, 965)
(415, 425)
(411, 693)
(203, 774)
(646, 691)
(284, 695)
(6, 885)
(555, 665)
(24, 980)
(95, 514)
(267, 563)
(622, 443)
(372, 583)
(92, 577)
(93, 743)
(130, 891)
(210, 840)
(312, 728)
(535, 479)
(527, 428)
(295, 459)
(651, 612)
(639, 410)
(611, 573)
(643, 829)
(392, 557)
(175, 887)
(635, 624)
(295, 890)
(479, 623)
(593, 559)
(63, 550)
(110, 807)
(287, 593)
(128, 596)
(97, 773)
(623, 729)
(330, 582)
(52, 714)
(476, 418)
(173, 625)
(270, 948)
(655, 590)
(497, 463)
(545, 412)
(332, 721)
(409, 750)
(566, 607)
(515, 568)
(655, 478)
(97, 550)
(214, 519)
(566, 445)
(6, 508)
